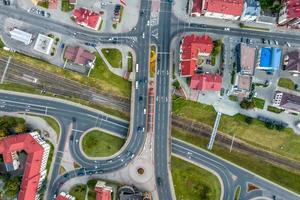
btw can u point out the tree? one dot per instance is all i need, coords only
(246, 104)
(249, 120)
(279, 127)
(3, 133)
(20, 128)
(270, 125)
(12, 186)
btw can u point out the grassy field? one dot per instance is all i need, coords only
(192, 182)
(259, 103)
(1, 43)
(286, 83)
(100, 144)
(78, 192)
(193, 110)
(113, 56)
(285, 143)
(27, 89)
(130, 61)
(274, 109)
(66, 6)
(110, 81)
(286, 178)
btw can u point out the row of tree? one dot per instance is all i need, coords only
(11, 125)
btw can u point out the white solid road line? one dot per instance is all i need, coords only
(5, 70)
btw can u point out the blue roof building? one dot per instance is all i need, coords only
(270, 58)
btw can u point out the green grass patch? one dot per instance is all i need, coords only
(237, 193)
(192, 182)
(31, 90)
(274, 109)
(243, 26)
(130, 61)
(50, 157)
(100, 27)
(285, 142)
(44, 4)
(193, 110)
(284, 177)
(78, 191)
(233, 98)
(286, 83)
(66, 6)
(100, 144)
(113, 56)
(258, 103)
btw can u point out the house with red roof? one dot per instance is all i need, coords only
(223, 9)
(65, 196)
(80, 56)
(290, 13)
(206, 82)
(37, 156)
(103, 192)
(87, 18)
(191, 48)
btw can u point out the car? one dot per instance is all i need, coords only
(139, 129)
(159, 181)
(71, 137)
(136, 84)
(276, 42)
(145, 111)
(73, 119)
(263, 40)
(288, 44)
(143, 35)
(148, 23)
(100, 172)
(142, 13)
(226, 29)
(140, 98)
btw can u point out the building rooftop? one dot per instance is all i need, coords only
(87, 18)
(270, 58)
(247, 59)
(293, 8)
(103, 192)
(197, 6)
(37, 153)
(43, 44)
(228, 7)
(289, 101)
(206, 82)
(252, 7)
(79, 55)
(64, 196)
(21, 36)
(293, 61)
(191, 47)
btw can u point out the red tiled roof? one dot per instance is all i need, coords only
(192, 46)
(228, 7)
(102, 194)
(64, 196)
(293, 8)
(197, 6)
(86, 17)
(79, 55)
(34, 150)
(206, 82)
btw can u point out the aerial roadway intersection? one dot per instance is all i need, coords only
(141, 99)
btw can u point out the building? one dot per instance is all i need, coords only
(64, 196)
(223, 9)
(37, 156)
(206, 82)
(103, 192)
(251, 10)
(132, 193)
(191, 48)
(289, 102)
(35, 2)
(87, 18)
(290, 13)
(21, 36)
(291, 62)
(79, 56)
(197, 8)
(247, 61)
(270, 58)
(73, 2)
(43, 44)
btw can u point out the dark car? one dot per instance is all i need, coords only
(72, 137)
(142, 13)
(73, 119)
(140, 98)
(159, 181)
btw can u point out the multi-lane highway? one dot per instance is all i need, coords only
(169, 27)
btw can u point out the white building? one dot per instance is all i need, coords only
(43, 44)
(251, 10)
(21, 36)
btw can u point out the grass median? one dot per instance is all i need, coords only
(100, 144)
(113, 56)
(192, 182)
(281, 176)
(285, 143)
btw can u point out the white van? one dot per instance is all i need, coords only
(136, 84)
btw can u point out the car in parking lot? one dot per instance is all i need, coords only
(6, 2)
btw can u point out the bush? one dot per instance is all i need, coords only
(249, 120)
(176, 84)
(246, 104)
(270, 125)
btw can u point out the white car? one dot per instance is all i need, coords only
(136, 84)
(148, 23)
(145, 111)
(143, 36)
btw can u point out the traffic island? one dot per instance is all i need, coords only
(98, 143)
